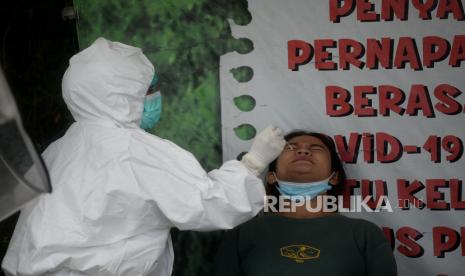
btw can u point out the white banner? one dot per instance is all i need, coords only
(385, 79)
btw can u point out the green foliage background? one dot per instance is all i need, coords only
(184, 39)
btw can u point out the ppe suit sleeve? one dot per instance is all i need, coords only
(189, 197)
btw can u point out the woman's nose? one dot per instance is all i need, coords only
(303, 151)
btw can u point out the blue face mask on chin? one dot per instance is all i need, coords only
(308, 190)
(152, 110)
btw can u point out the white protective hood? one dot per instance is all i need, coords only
(117, 190)
(107, 82)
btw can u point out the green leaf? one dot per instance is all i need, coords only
(245, 132)
(242, 74)
(244, 102)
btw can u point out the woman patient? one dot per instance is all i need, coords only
(305, 240)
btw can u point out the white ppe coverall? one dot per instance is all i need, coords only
(117, 190)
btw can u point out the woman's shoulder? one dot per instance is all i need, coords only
(366, 232)
(256, 225)
(260, 220)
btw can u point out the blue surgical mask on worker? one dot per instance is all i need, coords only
(308, 190)
(152, 107)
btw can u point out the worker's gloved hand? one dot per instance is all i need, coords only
(266, 147)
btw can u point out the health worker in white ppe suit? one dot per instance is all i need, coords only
(117, 190)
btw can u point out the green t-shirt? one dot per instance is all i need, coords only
(332, 245)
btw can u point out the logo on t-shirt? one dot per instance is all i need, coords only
(300, 252)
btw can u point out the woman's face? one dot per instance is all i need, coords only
(304, 159)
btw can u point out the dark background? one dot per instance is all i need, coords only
(36, 44)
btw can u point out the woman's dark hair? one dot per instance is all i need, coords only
(336, 164)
